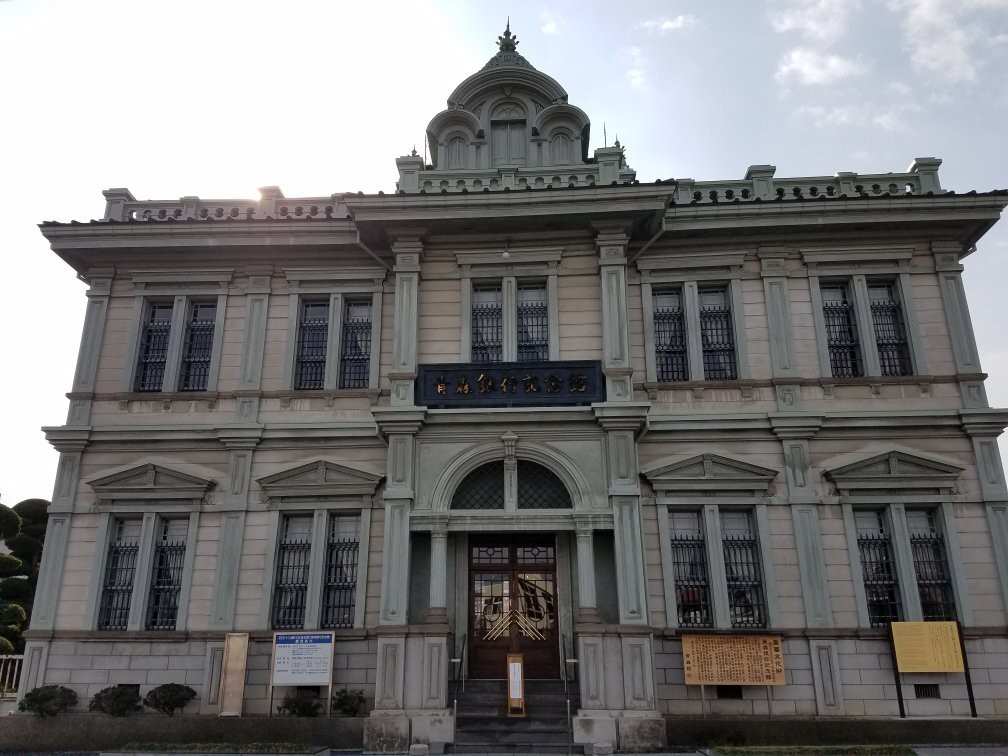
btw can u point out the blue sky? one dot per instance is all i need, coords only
(219, 98)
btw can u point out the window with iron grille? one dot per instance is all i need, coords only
(197, 348)
(890, 330)
(166, 574)
(934, 582)
(120, 571)
(312, 340)
(483, 488)
(339, 590)
(533, 322)
(841, 331)
(487, 323)
(671, 358)
(743, 572)
(876, 555)
(290, 588)
(153, 356)
(717, 337)
(355, 345)
(540, 488)
(689, 570)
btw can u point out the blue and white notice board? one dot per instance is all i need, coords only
(302, 658)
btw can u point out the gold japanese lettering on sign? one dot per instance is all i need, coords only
(579, 383)
(463, 385)
(486, 383)
(507, 384)
(927, 647)
(733, 660)
(441, 386)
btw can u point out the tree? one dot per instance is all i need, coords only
(22, 529)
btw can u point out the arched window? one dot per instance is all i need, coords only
(539, 488)
(507, 130)
(561, 144)
(483, 488)
(456, 153)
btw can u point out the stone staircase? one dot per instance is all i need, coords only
(482, 724)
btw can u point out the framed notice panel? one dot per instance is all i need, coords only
(733, 659)
(302, 659)
(927, 647)
(232, 687)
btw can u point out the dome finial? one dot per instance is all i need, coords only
(507, 42)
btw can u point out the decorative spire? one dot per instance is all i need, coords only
(507, 43)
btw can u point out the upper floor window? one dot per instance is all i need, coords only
(456, 148)
(533, 322)
(862, 324)
(890, 332)
(487, 322)
(690, 331)
(561, 149)
(178, 344)
(333, 337)
(154, 339)
(717, 335)
(197, 349)
(508, 137)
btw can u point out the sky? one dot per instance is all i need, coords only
(216, 98)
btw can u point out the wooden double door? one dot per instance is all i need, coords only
(513, 605)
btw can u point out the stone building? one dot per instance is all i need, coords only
(528, 402)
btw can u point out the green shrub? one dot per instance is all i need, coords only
(48, 700)
(299, 703)
(169, 698)
(118, 700)
(349, 702)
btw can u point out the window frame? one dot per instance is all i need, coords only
(521, 266)
(834, 267)
(306, 286)
(655, 280)
(205, 288)
(152, 494)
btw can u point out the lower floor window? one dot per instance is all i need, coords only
(120, 571)
(742, 594)
(934, 581)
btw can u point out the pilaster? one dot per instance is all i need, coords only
(408, 250)
(587, 596)
(612, 243)
(257, 293)
(630, 579)
(100, 280)
(778, 311)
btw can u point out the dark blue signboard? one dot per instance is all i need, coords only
(510, 384)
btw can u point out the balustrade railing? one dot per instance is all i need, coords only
(10, 674)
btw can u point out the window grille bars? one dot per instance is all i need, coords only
(841, 333)
(875, 551)
(540, 488)
(339, 592)
(166, 583)
(533, 323)
(198, 348)
(933, 580)
(671, 359)
(355, 347)
(692, 586)
(890, 331)
(717, 336)
(120, 570)
(487, 315)
(291, 587)
(744, 579)
(313, 333)
(483, 488)
(153, 348)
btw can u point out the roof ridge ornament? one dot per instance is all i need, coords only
(507, 42)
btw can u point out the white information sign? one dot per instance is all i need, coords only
(515, 680)
(302, 658)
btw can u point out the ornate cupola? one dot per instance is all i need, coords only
(509, 126)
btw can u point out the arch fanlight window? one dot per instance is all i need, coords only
(507, 130)
(537, 488)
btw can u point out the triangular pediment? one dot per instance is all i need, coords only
(710, 472)
(150, 482)
(894, 470)
(320, 478)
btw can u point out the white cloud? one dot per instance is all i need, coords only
(550, 24)
(635, 73)
(549, 27)
(822, 20)
(665, 25)
(811, 67)
(890, 117)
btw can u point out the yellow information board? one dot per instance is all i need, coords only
(927, 647)
(733, 659)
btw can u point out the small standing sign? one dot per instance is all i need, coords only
(928, 647)
(302, 659)
(515, 685)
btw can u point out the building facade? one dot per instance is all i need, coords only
(528, 403)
